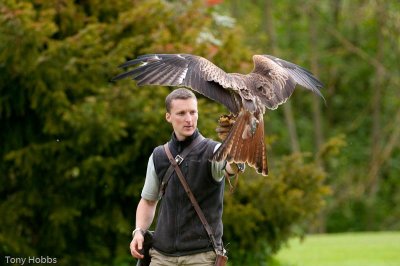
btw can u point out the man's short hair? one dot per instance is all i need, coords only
(181, 94)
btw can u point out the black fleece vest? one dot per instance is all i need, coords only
(179, 230)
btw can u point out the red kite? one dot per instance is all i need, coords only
(270, 84)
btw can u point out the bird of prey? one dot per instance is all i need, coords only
(269, 84)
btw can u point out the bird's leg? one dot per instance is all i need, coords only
(225, 123)
(253, 125)
(227, 118)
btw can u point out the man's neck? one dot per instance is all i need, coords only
(181, 144)
(180, 138)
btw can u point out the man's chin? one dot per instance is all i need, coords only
(188, 133)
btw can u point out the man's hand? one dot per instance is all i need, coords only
(225, 123)
(136, 245)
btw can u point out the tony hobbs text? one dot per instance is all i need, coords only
(29, 260)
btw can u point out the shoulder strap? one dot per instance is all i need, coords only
(192, 198)
(179, 159)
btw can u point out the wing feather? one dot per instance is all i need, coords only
(191, 71)
(271, 82)
(158, 78)
(154, 77)
(276, 79)
(300, 75)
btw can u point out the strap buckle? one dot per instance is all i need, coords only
(178, 159)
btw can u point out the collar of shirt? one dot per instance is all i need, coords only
(178, 146)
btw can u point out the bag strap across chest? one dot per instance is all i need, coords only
(193, 200)
(179, 159)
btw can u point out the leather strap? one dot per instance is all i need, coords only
(181, 157)
(192, 198)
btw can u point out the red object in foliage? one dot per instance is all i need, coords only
(214, 2)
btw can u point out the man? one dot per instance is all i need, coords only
(180, 238)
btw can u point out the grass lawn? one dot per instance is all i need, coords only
(348, 249)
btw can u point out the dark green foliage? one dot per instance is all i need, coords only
(74, 146)
(355, 47)
(265, 212)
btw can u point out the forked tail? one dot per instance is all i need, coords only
(245, 143)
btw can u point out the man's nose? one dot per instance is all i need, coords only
(188, 117)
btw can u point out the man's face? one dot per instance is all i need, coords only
(183, 117)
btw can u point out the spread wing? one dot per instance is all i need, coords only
(275, 80)
(300, 75)
(186, 70)
(270, 84)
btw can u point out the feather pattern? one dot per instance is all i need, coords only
(249, 149)
(270, 84)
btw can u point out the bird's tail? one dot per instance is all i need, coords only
(245, 143)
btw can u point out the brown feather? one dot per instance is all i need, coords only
(270, 84)
(239, 147)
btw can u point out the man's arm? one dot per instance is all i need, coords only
(146, 209)
(144, 217)
(218, 168)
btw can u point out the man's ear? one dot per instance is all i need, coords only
(168, 117)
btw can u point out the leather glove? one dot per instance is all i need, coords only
(225, 123)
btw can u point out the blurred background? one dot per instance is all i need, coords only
(74, 146)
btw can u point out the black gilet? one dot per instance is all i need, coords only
(179, 230)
